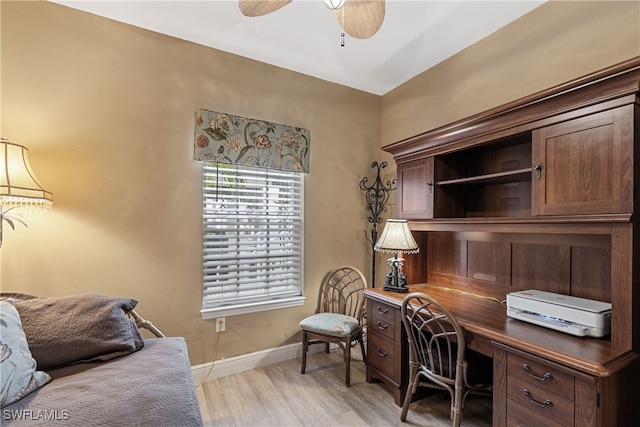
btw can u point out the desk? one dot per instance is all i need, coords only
(594, 384)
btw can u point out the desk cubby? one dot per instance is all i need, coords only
(490, 180)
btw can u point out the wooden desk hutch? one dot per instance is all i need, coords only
(536, 194)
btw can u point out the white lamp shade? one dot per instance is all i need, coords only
(18, 183)
(396, 237)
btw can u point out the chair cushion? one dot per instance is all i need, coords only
(338, 325)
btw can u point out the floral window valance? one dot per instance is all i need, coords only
(224, 138)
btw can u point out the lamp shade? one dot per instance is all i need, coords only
(18, 183)
(396, 237)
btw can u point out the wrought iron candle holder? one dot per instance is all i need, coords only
(376, 196)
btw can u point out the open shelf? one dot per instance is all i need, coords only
(489, 180)
(492, 178)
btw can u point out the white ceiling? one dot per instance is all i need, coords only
(304, 36)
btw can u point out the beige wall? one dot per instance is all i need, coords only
(554, 43)
(107, 112)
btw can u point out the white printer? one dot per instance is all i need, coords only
(572, 315)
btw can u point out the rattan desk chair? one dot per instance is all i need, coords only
(438, 354)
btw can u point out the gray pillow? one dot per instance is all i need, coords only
(77, 328)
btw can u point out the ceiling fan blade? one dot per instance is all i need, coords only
(362, 18)
(261, 7)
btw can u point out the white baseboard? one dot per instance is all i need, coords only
(234, 365)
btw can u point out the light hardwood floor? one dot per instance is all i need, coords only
(278, 395)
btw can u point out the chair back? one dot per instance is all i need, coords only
(436, 340)
(343, 292)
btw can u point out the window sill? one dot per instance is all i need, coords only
(212, 313)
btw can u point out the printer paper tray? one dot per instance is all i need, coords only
(556, 324)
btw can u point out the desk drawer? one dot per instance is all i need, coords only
(538, 400)
(383, 319)
(522, 416)
(533, 373)
(384, 311)
(382, 354)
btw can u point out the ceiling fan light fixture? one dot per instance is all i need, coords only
(361, 19)
(254, 8)
(334, 4)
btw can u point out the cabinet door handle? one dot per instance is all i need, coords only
(381, 326)
(381, 311)
(538, 169)
(430, 186)
(546, 404)
(545, 377)
(382, 353)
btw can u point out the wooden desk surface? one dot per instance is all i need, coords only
(486, 320)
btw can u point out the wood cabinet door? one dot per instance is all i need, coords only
(585, 165)
(416, 189)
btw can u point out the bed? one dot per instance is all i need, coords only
(126, 380)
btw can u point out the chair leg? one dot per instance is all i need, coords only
(456, 419)
(305, 347)
(347, 361)
(411, 389)
(364, 354)
(456, 406)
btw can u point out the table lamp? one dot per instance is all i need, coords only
(396, 237)
(18, 184)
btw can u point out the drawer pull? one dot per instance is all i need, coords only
(381, 326)
(381, 311)
(546, 404)
(545, 377)
(382, 353)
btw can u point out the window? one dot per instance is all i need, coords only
(252, 239)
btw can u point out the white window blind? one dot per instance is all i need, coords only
(252, 237)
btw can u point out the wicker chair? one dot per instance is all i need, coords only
(340, 314)
(438, 355)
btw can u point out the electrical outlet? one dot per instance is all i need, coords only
(221, 324)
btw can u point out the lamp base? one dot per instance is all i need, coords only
(395, 282)
(399, 289)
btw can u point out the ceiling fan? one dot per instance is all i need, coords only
(360, 19)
